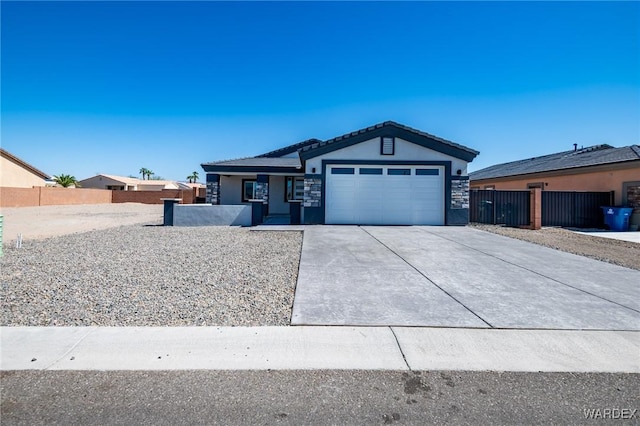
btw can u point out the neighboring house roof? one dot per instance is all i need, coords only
(4, 153)
(390, 128)
(137, 182)
(192, 185)
(122, 179)
(584, 157)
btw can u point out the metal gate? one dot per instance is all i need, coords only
(509, 208)
(574, 209)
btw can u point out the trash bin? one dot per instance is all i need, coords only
(617, 218)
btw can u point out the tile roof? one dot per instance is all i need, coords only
(259, 162)
(590, 156)
(136, 181)
(289, 149)
(123, 179)
(275, 159)
(388, 124)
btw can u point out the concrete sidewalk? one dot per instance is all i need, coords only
(632, 237)
(311, 348)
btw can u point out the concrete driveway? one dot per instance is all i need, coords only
(456, 277)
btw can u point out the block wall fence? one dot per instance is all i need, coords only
(49, 196)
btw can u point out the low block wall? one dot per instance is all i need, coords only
(19, 197)
(46, 196)
(209, 215)
(64, 196)
(152, 197)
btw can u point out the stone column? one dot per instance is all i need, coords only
(312, 203)
(262, 191)
(460, 194)
(213, 188)
(312, 191)
(458, 211)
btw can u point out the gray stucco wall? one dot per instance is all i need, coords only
(277, 205)
(208, 215)
(231, 189)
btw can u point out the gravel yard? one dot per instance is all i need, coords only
(147, 275)
(51, 221)
(618, 252)
(152, 276)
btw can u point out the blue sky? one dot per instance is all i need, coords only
(110, 87)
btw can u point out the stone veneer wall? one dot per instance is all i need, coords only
(213, 193)
(633, 195)
(262, 192)
(459, 194)
(312, 192)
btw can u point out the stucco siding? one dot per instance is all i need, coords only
(277, 205)
(14, 176)
(576, 180)
(100, 182)
(231, 189)
(370, 150)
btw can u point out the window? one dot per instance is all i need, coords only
(427, 172)
(399, 172)
(342, 171)
(387, 145)
(294, 188)
(248, 189)
(367, 171)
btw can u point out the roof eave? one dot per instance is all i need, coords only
(212, 168)
(391, 129)
(24, 164)
(290, 149)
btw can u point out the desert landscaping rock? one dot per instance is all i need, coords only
(623, 253)
(152, 276)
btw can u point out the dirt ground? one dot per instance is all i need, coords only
(50, 221)
(623, 253)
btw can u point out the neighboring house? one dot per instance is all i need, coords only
(16, 173)
(595, 168)
(384, 174)
(121, 183)
(199, 189)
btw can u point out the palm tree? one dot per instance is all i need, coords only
(193, 177)
(143, 171)
(66, 181)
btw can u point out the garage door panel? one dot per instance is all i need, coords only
(371, 195)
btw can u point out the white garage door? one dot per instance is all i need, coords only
(384, 195)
